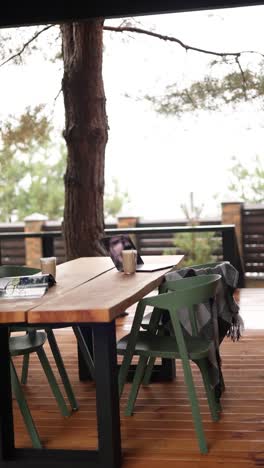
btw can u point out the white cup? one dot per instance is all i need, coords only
(129, 258)
(48, 266)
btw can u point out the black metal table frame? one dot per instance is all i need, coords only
(108, 453)
(164, 372)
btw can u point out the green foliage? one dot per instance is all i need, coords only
(31, 167)
(114, 199)
(45, 193)
(211, 93)
(197, 247)
(27, 133)
(248, 183)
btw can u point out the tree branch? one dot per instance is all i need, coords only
(57, 95)
(20, 52)
(244, 81)
(187, 47)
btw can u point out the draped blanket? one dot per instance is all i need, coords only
(215, 320)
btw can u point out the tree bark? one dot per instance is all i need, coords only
(86, 134)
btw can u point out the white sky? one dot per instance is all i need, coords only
(160, 160)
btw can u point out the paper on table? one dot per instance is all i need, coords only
(33, 286)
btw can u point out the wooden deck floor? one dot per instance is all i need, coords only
(161, 432)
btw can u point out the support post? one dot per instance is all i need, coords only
(33, 245)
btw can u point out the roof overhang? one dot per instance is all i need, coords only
(29, 13)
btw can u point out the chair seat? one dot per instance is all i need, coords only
(165, 346)
(20, 345)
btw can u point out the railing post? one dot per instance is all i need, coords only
(33, 245)
(228, 246)
(231, 253)
(232, 214)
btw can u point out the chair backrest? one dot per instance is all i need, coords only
(167, 285)
(17, 270)
(206, 265)
(187, 292)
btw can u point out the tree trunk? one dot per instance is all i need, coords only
(86, 137)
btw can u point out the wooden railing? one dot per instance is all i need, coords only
(52, 242)
(12, 245)
(253, 238)
(230, 251)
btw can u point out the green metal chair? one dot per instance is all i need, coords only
(59, 360)
(17, 270)
(165, 287)
(33, 341)
(148, 343)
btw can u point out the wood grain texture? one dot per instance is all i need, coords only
(161, 431)
(73, 299)
(69, 276)
(103, 298)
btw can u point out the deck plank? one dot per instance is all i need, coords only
(161, 430)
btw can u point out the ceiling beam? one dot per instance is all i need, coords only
(16, 13)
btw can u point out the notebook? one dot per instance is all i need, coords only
(114, 246)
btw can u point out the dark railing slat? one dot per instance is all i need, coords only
(151, 240)
(171, 229)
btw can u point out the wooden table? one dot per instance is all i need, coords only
(88, 291)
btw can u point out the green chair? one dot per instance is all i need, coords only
(59, 360)
(23, 406)
(17, 270)
(33, 341)
(148, 344)
(165, 287)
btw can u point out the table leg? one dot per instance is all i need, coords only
(165, 372)
(107, 398)
(108, 453)
(84, 373)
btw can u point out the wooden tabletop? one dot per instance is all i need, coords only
(69, 275)
(88, 290)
